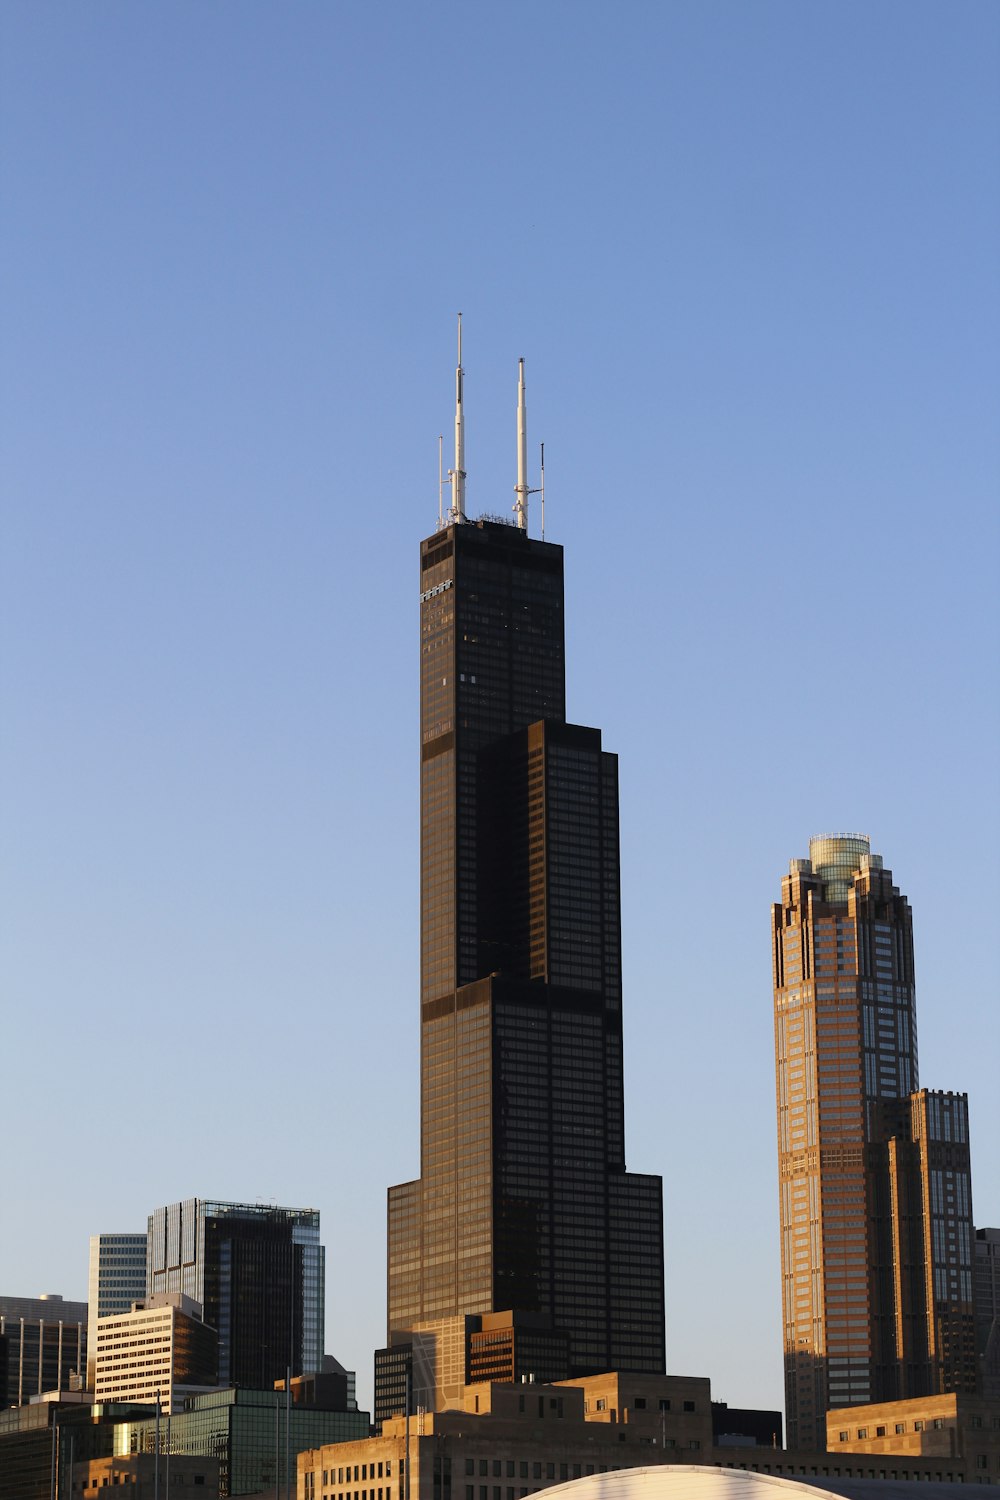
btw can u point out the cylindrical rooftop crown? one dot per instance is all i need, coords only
(837, 857)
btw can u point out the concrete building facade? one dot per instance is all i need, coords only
(160, 1349)
(948, 1426)
(117, 1278)
(43, 1346)
(147, 1476)
(503, 1442)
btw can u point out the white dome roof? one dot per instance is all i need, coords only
(703, 1482)
(675, 1482)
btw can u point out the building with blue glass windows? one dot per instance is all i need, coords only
(258, 1271)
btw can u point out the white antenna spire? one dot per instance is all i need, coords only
(543, 492)
(440, 480)
(521, 487)
(457, 474)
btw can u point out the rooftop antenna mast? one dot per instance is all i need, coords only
(522, 489)
(440, 480)
(457, 474)
(542, 487)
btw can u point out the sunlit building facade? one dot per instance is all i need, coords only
(117, 1279)
(874, 1181)
(160, 1350)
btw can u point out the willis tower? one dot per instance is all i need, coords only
(523, 1202)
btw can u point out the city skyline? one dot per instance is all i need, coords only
(754, 282)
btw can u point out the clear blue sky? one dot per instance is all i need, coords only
(749, 252)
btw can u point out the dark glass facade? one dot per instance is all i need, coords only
(523, 1200)
(44, 1436)
(392, 1366)
(246, 1431)
(258, 1272)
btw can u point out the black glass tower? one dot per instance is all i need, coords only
(259, 1273)
(523, 1200)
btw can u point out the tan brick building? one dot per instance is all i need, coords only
(504, 1442)
(144, 1479)
(949, 1426)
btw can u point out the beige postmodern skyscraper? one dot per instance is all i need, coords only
(874, 1180)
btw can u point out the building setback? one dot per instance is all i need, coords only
(523, 1202)
(875, 1192)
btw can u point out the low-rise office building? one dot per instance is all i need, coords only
(962, 1430)
(45, 1438)
(160, 1350)
(148, 1476)
(503, 1441)
(43, 1346)
(506, 1442)
(246, 1430)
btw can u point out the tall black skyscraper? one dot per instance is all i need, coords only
(523, 1200)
